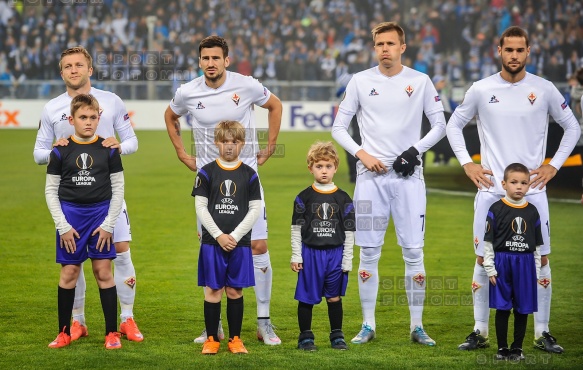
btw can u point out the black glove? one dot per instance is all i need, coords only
(406, 162)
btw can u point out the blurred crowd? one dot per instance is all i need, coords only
(284, 40)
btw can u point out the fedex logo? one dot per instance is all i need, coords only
(308, 119)
(9, 117)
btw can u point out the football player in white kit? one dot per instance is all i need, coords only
(222, 95)
(76, 68)
(512, 109)
(389, 101)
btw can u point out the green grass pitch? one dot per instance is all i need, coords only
(169, 304)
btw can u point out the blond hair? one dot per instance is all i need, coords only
(231, 129)
(387, 27)
(322, 151)
(76, 50)
(84, 100)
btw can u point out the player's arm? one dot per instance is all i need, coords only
(275, 109)
(125, 131)
(174, 132)
(248, 221)
(489, 262)
(348, 251)
(66, 231)
(105, 230)
(226, 241)
(44, 139)
(297, 261)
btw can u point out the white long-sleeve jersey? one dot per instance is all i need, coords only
(513, 124)
(389, 111)
(54, 123)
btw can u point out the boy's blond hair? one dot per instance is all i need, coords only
(76, 50)
(322, 151)
(83, 100)
(231, 129)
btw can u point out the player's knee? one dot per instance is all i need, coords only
(332, 299)
(103, 276)
(258, 246)
(234, 293)
(121, 247)
(413, 256)
(68, 276)
(370, 255)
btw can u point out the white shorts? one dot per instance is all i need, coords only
(122, 231)
(482, 204)
(377, 197)
(259, 231)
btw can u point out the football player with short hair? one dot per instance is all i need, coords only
(512, 109)
(389, 101)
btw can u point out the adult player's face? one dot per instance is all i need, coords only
(85, 122)
(513, 54)
(229, 148)
(516, 185)
(388, 49)
(75, 71)
(323, 171)
(213, 64)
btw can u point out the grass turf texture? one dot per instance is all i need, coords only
(169, 304)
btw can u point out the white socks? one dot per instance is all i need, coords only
(415, 284)
(263, 280)
(480, 292)
(124, 276)
(544, 291)
(79, 304)
(368, 283)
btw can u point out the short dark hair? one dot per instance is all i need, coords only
(515, 167)
(387, 27)
(212, 42)
(514, 31)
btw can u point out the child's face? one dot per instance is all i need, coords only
(85, 121)
(323, 171)
(229, 148)
(516, 185)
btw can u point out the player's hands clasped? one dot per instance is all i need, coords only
(477, 174)
(543, 174)
(227, 242)
(68, 240)
(296, 267)
(371, 163)
(104, 239)
(406, 162)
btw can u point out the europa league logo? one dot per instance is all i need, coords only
(84, 161)
(325, 211)
(228, 188)
(518, 225)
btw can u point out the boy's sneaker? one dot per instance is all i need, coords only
(78, 330)
(130, 329)
(266, 333)
(337, 340)
(113, 341)
(548, 343)
(420, 336)
(62, 340)
(306, 341)
(502, 354)
(236, 346)
(474, 341)
(515, 354)
(365, 334)
(202, 337)
(210, 347)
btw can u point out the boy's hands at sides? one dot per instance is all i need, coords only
(296, 267)
(493, 280)
(104, 239)
(68, 240)
(227, 242)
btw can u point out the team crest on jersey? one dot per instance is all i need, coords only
(493, 100)
(419, 278)
(131, 282)
(476, 242)
(437, 98)
(531, 98)
(564, 105)
(325, 211)
(228, 188)
(84, 162)
(544, 282)
(64, 117)
(364, 275)
(373, 92)
(518, 225)
(475, 286)
(199, 105)
(409, 90)
(236, 99)
(126, 116)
